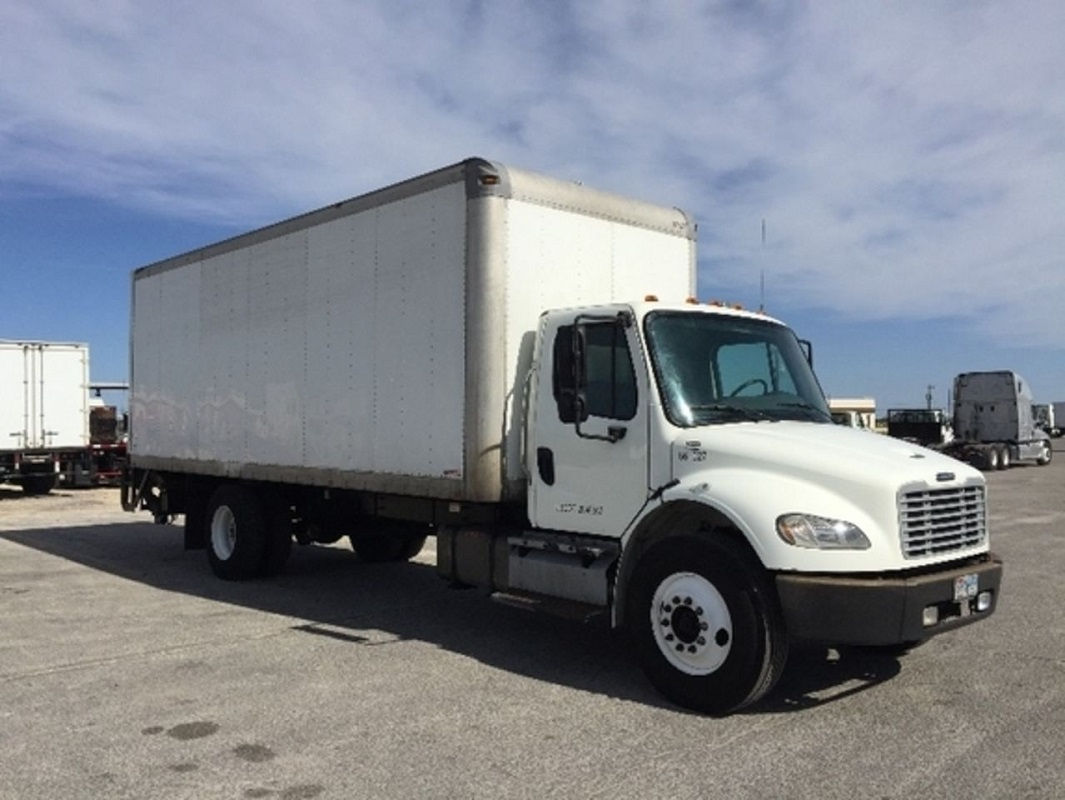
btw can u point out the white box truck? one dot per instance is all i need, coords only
(44, 410)
(514, 364)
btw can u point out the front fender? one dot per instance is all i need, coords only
(676, 516)
(752, 501)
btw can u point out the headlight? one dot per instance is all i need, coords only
(807, 530)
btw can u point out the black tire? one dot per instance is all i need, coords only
(991, 458)
(381, 548)
(195, 522)
(715, 659)
(278, 537)
(236, 533)
(33, 485)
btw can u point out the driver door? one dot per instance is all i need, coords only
(587, 444)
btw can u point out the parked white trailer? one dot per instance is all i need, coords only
(44, 410)
(514, 364)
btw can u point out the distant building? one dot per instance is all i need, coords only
(855, 412)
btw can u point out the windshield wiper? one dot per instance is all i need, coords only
(818, 414)
(736, 411)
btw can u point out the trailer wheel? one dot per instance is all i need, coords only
(236, 533)
(706, 625)
(1004, 456)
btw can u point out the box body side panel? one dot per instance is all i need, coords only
(335, 348)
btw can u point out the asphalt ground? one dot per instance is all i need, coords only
(128, 671)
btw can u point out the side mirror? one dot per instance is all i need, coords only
(807, 350)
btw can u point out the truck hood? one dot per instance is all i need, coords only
(753, 472)
(806, 449)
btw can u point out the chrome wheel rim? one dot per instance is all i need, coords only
(691, 623)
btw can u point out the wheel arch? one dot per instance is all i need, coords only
(673, 520)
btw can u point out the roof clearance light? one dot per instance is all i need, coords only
(489, 180)
(716, 303)
(650, 298)
(738, 306)
(692, 301)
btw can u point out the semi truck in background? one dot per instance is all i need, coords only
(51, 431)
(994, 423)
(515, 365)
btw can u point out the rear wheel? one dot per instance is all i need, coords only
(278, 545)
(991, 458)
(706, 625)
(1004, 456)
(236, 533)
(38, 484)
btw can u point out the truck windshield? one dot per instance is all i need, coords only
(714, 369)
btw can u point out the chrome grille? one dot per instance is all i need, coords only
(935, 521)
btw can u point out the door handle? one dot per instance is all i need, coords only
(545, 465)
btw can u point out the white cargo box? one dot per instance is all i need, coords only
(381, 343)
(44, 395)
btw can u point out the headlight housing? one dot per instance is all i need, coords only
(821, 533)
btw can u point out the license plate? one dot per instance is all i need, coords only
(965, 587)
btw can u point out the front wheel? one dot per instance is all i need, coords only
(706, 625)
(1046, 455)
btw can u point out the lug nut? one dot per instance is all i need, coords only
(687, 601)
(699, 610)
(691, 648)
(676, 601)
(701, 640)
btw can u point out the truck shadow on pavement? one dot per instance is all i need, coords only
(327, 591)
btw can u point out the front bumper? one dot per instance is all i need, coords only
(874, 610)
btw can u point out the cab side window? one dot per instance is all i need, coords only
(610, 380)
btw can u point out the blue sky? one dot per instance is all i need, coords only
(908, 158)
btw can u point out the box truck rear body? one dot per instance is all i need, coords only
(44, 410)
(45, 400)
(379, 344)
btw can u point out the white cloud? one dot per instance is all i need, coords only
(908, 159)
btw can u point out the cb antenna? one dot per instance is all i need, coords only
(761, 295)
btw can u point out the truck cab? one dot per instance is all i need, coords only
(685, 455)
